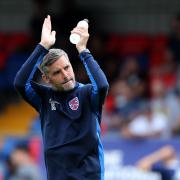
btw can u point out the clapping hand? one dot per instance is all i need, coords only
(48, 37)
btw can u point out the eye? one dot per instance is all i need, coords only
(66, 67)
(56, 72)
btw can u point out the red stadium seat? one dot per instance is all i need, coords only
(157, 58)
(35, 148)
(159, 42)
(110, 103)
(113, 43)
(17, 40)
(134, 44)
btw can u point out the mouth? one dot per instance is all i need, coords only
(67, 81)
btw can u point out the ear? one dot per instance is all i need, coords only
(45, 78)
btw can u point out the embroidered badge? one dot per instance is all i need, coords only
(74, 103)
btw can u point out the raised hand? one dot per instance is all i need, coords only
(48, 37)
(83, 32)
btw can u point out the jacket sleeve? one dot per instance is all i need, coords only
(98, 80)
(24, 77)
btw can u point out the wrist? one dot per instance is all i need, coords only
(46, 46)
(81, 49)
(85, 51)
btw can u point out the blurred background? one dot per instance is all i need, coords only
(137, 44)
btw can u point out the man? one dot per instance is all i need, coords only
(21, 165)
(70, 112)
(164, 161)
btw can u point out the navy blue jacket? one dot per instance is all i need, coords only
(70, 121)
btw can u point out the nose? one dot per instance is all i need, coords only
(65, 74)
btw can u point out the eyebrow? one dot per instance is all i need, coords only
(59, 70)
(55, 71)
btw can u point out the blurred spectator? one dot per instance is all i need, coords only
(165, 102)
(126, 105)
(22, 166)
(130, 67)
(165, 160)
(132, 72)
(146, 125)
(165, 69)
(127, 94)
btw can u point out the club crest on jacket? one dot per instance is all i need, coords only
(74, 103)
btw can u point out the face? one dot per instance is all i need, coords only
(18, 157)
(61, 75)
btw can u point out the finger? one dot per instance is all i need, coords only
(80, 29)
(76, 31)
(49, 22)
(53, 33)
(44, 21)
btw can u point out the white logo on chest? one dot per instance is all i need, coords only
(53, 103)
(74, 103)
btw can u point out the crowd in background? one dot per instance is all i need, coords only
(143, 71)
(144, 96)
